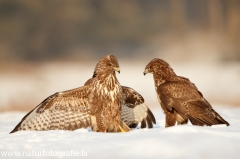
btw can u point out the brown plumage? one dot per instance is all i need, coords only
(97, 105)
(134, 110)
(179, 98)
(101, 104)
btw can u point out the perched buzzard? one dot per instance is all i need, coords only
(179, 98)
(134, 110)
(98, 104)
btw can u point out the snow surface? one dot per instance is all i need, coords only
(186, 142)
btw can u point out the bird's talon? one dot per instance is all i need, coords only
(121, 129)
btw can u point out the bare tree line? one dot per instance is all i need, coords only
(33, 30)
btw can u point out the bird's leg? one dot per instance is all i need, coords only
(94, 123)
(170, 119)
(121, 129)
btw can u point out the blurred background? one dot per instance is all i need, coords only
(53, 45)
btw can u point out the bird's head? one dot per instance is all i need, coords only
(160, 67)
(108, 63)
(113, 63)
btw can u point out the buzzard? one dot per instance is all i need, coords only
(97, 104)
(134, 110)
(179, 97)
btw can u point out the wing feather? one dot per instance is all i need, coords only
(149, 122)
(186, 100)
(135, 111)
(151, 116)
(60, 111)
(143, 123)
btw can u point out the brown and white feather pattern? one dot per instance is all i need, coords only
(134, 110)
(179, 97)
(67, 110)
(108, 111)
(97, 105)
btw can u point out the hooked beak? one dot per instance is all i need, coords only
(145, 72)
(117, 69)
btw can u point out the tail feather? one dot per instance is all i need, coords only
(219, 119)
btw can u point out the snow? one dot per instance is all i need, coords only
(187, 141)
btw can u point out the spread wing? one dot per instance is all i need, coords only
(68, 110)
(134, 110)
(184, 97)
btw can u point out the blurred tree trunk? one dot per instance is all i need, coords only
(233, 27)
(178, 15)
(233, 21)
(216, 17)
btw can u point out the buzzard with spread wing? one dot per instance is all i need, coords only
(179, 98)
(98, 104)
